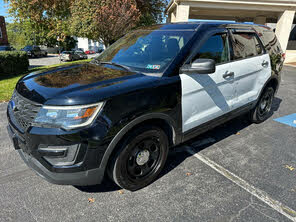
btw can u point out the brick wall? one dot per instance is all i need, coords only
(3, 38)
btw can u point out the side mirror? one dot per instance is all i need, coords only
(199, 66)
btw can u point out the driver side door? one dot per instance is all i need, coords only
(208, 96)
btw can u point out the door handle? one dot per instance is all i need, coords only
(265, 63)
(228, 74)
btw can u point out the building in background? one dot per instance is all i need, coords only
(3, 33)
(88, 44)
(278, 14)
(84, 44)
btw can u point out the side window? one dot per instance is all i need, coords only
(270, 41)
(245, 45)
(216, 48)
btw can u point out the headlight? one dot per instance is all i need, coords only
(68, 117)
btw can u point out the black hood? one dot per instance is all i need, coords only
(80, 84)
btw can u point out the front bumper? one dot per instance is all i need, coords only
(83, 178)
(47, 152)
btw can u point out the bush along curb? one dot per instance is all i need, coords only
(13, 63)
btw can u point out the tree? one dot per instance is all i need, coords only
(18, 36)
(95, 19)
(48, 19)
(107, 20)
(152, 11)
(46, 15)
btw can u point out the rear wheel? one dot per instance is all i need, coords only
(262, 111)
(140, 158)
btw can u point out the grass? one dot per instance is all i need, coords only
(7, 85)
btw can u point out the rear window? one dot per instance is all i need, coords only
(66, 52)
(245, 45)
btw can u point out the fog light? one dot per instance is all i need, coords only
(59, 155)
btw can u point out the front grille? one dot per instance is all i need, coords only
(25, 110)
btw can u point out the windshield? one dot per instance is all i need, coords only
(147, 51)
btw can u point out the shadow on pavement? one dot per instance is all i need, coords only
(106, 186)
(41, 57)
(34, 66)
(178, 154)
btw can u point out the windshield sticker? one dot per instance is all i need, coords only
(153, 66)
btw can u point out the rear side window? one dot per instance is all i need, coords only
(270, 41)
(245, 45)
(216, 48)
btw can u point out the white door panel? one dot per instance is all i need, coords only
(250, 76)
(206, 96)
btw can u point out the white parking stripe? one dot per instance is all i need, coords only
(263, 196)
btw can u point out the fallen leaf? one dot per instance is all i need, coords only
(289, 167)
(188, 174)
(238, 133)
(121, 191)
(91, 200)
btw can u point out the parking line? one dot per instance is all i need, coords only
(263, 196)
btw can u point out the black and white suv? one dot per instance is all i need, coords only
(153, 89)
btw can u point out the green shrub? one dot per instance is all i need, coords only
(13, 63)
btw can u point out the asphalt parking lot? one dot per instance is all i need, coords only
(51, 59)
(236, 172)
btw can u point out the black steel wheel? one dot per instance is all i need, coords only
(140, 158)
(262, 111)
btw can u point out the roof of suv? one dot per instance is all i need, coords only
(195, 25)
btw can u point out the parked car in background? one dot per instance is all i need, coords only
(90, 52)
(6, 48)
(100, 50)
(69, 56)
(153, 89)
(81, 54)
(80, 49)
(34, 51)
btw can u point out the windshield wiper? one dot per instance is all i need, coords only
(113, 64)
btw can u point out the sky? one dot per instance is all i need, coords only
(3, 11)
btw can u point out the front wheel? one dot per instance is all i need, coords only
(140, 158)
(262, 111)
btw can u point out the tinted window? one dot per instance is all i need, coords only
(216, 48)
(270, 41)
(245, 45)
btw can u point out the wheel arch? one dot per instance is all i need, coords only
(273, 82)
(158, 119)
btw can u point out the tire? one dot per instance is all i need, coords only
(140, 159)
(263, 111)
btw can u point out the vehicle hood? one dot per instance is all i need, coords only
(81, 84)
